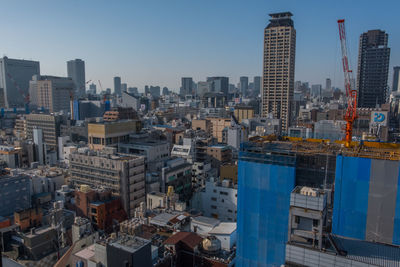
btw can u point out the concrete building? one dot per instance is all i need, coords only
(50, 125)
(155, 152)
(279, 64)
(202, 88)
(373, 69)
(129, 100)
(217, 127)
(396, 79)
(51, 93)
(76, 71)
(243, 112)
(178, 174)
(102, 134)
(328, 84)
(155, 91)
(11, 156)
(15, 75)
(129, 251)
(187, 86)
(123, 174)
(244, 84)
(257, 85)
(92, 89)
(15, 193)
(217, 200)
(219, 85)
(124, 87)
(117, 86)
(226, 233)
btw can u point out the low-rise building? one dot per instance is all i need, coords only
(102, 134)
(15, 193)
(218, 200)
(128, 250)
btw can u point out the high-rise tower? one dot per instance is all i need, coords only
(278, 74)
(117, 85)
(373, 68)
(76, 71)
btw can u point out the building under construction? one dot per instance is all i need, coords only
(356, 175)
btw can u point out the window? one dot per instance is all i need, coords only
(230, 211)
(223, 193)
(214, 199)
(315, 223)
(297, 219)
(213, 207)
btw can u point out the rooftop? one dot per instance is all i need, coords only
(129, 243)
(189, 238)
(207, 221)
(224, 228)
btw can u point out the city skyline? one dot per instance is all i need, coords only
(196, 48)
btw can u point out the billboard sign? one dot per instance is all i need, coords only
(379, 118)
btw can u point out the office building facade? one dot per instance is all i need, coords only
(15, 75)
(186, 86)
(219, 85)
(123, 174)
(244, 84)
(279, 64)
(76, 71)
(257, 85)
(51, 93)
(373, 69)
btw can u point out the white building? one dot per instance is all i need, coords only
(128, 100)
(226, 233)
(218, 200)
(203, 225)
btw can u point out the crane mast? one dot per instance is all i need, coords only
(351, 94)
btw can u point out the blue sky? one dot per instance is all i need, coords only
(157, 42)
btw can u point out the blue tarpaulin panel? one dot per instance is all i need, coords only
(263, 212)
(351, 197)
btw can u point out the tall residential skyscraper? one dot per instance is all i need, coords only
(244, 84)
(14, 74)
(76, 71)
(396, 79)
(257, 85)
(373, 68)
(117, 85)
(187, 86)
(279, 58)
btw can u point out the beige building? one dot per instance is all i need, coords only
(279, 63)
(50, 125)
(243, 112)
(217, 127)
(50, 92)
(111, 133)
(122, 173)
(199, 124)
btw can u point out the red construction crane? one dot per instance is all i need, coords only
(351, 94)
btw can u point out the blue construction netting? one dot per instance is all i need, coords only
(351, 196)
(263, 210)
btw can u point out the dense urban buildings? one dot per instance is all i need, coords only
(76, 71)
(51, 93)
(373, 69)
(279, 63)
(15, 75)
(223, 172)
